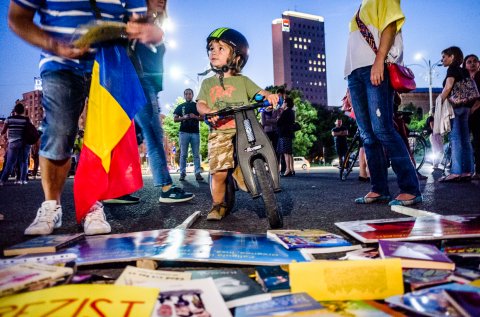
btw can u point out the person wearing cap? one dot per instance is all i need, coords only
(228, 53)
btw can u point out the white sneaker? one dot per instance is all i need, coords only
(95, 221)
(49, 217)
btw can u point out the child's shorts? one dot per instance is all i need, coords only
(220, 151)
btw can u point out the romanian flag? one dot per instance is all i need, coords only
(109, 164)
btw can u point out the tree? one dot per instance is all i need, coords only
(306, 116)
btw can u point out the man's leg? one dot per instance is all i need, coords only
(54, 175)
(184, 142)
(195, 142)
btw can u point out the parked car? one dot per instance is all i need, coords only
(300, 162)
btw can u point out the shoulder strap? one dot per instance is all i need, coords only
(367, 35)
(96, 10)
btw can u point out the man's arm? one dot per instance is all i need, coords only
(386, 41)
(20, 20)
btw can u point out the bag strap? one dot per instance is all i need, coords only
(96, 10)
(367, 35)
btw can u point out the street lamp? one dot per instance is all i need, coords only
(431, 70)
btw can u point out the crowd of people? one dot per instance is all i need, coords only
(375, 37)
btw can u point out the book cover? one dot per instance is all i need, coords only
(190, 298)
(43, 244)
(46, 258)
(422, 278)
(286, 305)
(415, 255)
(362, 254)
(135, 276)
(464, 275)
(331, 253)
(430, 301)
(189, 245)
(355, 308)
(30, 276)
(306, 238)
(413, 229)
(347, 280)
(466, 303)
(82, 300)
(235, 286)
(273, 278)
(461, 247)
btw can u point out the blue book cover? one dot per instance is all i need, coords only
(307, 238)
(431, 301)
(196, 245)
(282, 305)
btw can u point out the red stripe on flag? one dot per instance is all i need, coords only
(92, 183)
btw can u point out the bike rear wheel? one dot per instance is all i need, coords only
(351, 158)
(418, 148)
(265, 184)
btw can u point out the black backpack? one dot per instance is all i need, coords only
(30, 133)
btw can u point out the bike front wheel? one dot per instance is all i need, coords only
(265, 184)
(418, 148)
(351, 158)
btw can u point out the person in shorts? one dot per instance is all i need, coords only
(228, 53)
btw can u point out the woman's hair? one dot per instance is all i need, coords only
(467, 57)
(289, 102)
(457, 55)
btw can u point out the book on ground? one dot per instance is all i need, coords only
(286, 305)
(362, 254)
(466, 303)
(413, 229)
(330, 253)
(30, 276)
(46, 258)
(461, 247)
(135, 276)
(190, 298)
(236, 287)
(191, 245)
(356, 308)
(347, 280)
(273, 278)
(430, 301)
(306, 238)
(422, 278)
(82, 300)
(415, 255)
(43, 244)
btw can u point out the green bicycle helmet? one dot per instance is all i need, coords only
(235, 39)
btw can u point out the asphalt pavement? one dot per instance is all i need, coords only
(311, 199)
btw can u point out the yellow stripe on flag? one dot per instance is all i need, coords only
(106, 123)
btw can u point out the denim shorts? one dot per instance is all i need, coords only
(64, 95)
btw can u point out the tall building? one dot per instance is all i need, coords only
(32, 101)
(299, 59)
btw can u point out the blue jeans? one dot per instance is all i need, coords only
(462, 153)
(149, 120)
(187, 139)
(373, 107)
(64, 95)
(16, 152)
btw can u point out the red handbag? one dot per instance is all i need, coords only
(402, 78)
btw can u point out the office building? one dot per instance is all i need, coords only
(299, 58)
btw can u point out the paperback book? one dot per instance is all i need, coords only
(461, 247)
(415, 255)
(43, 244)
(191, 245)
(236, 287)
(355, 308)
(30, 276)
(430, 301)
(273, 278)
(330, 253)
(362, 254)
(417, 279)
(287, 305)
(135, 276)
(47, 258)
(413, 229)
(466, 303)
(190, 298)
(306, 238)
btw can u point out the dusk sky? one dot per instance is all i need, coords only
(430, 27)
